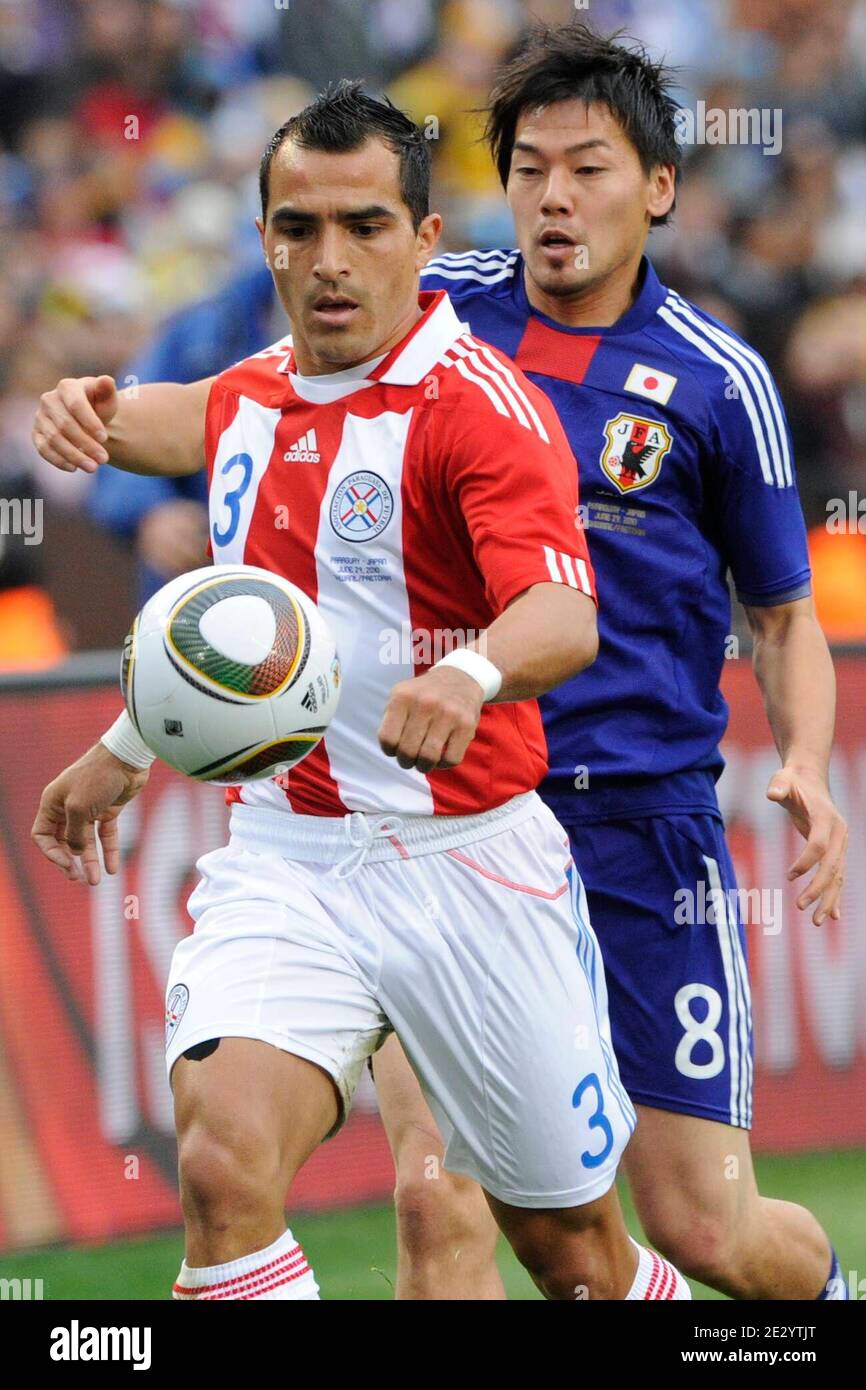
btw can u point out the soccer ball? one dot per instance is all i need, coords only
(230, 674)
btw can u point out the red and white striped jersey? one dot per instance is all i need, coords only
(412, 505)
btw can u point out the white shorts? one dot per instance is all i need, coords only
(469, 936)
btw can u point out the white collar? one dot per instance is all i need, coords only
(407, 364)
(332, 386)
(416, 356)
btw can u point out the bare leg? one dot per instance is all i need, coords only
(695, 1191)
(247, 1116)
(446, 1237)
(572, 1252)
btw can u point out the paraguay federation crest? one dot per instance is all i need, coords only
(361, 507)
(175, 1007)
(634, 451)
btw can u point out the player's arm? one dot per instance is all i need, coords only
(544, 637)
(764, 539)
(83, 802)
(153, 429)
(795, 672)
(516, 487)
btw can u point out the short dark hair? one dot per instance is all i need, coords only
(568, 61)
(342, 118)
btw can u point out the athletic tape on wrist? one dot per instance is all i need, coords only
(488, 676)
(126, 743)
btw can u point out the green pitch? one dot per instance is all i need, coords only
(354, 1256)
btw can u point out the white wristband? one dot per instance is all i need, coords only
(488, 676)
(126, 743)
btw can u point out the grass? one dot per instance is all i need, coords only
(354, 1252)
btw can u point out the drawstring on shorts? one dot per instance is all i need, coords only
(362, 833)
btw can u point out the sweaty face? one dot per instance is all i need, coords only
(343, 252)
(581, 200)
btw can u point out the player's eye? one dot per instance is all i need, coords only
(366, 229)
(295, 233)
(526, 169)
(591, 169)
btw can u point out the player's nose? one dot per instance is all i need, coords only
(331, 261)
(557, 195)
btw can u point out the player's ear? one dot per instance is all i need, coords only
(426, 237)
(260, 227)
(662, 190)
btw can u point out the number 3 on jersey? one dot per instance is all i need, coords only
(232, 499)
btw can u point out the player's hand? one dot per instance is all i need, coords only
(172, 537)
(82, 802)
(430, 720)
(69, 429)
(806, 797)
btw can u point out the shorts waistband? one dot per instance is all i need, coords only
(361, 837)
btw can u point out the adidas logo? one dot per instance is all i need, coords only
(304, 450)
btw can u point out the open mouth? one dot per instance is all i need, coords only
(334, 308)
(554, 239)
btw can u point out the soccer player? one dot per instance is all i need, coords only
(406, 874)
(686, 472)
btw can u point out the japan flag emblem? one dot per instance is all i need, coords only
(650, 382)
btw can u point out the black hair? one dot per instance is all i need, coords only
(342, 118)
(568, 61)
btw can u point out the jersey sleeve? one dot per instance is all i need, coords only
(763, 532)
(511, 473)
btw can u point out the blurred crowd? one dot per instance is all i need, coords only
(130, 135)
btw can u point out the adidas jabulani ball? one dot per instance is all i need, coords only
(230, 674)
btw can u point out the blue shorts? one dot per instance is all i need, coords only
(677, 980)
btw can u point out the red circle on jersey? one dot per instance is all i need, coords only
(651, 383)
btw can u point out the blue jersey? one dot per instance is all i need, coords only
(686, 472)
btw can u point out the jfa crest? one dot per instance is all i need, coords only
(634, 451)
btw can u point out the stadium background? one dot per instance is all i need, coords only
(130, 132)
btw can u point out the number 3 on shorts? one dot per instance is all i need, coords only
(598, 1120)
(699, 1030)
